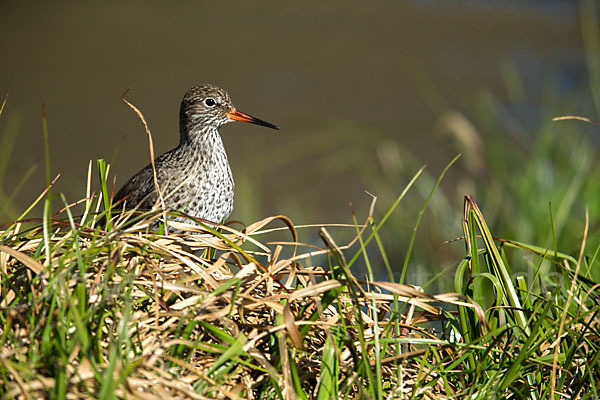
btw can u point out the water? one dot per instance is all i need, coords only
(338, 77)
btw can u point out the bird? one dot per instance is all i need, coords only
(194, 177)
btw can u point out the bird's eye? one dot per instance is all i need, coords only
(210, 102)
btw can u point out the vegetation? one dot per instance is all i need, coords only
(133, 312)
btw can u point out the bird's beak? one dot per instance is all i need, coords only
(240, 116)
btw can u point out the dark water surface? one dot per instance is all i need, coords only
(338, 77)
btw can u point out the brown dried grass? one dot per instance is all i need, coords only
(192, 315)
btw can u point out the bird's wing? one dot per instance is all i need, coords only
(139, 190)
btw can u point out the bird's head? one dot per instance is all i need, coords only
(207, 106)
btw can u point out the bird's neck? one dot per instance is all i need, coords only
(205, 143)
(194, 127)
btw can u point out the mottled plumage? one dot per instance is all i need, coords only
(194, 177)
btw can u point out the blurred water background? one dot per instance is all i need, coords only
(365, 93)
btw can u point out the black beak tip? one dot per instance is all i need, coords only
(266, 124)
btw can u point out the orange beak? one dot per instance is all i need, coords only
(240, 116)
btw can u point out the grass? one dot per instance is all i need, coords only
(133, 313)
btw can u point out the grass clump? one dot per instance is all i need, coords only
(134, 312)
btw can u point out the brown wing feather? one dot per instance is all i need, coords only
(139, 190)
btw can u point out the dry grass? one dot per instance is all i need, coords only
(194, 315)
(127, 311)
(215, 312)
